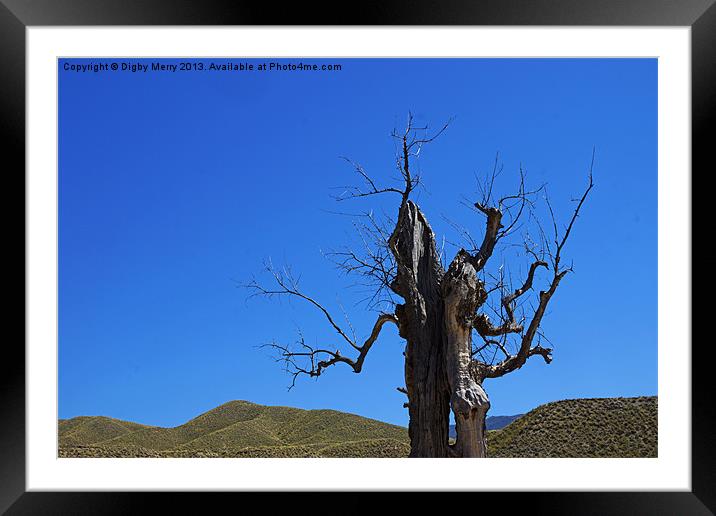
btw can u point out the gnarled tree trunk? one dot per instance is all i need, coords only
(463, 294)
(421, 325)
(427, 387)
(436, 321)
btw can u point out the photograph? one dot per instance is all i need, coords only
(353, 257)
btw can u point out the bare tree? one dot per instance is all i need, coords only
(456, 337)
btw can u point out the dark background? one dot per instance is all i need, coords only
(15, 15)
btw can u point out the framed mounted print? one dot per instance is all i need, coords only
(444, 250)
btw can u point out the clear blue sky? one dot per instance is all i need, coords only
(172, 186)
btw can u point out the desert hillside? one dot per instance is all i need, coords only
(597, 427)
(593, 427)
(237, 429)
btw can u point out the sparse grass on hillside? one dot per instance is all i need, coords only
(240, 429)
(91, 429)
(598, 427)
(606, 427)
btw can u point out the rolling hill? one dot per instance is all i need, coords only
(598, 427)
(237, 429)
(593, 427)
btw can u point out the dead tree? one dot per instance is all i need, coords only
(441, 312)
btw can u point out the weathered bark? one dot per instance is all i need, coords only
(421, 325)
(427, 388)
(463, 293)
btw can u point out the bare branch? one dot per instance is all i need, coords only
(545, 353)
(482, 322)
(318, 359)
(410, 145)
(526, 350)
(352, 192)
(575, 214)
(491, 342)
(287, 285)
(492, 228)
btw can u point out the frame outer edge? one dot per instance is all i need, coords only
(12, 379)
(703, 112)
(386, 12)
(12, 102)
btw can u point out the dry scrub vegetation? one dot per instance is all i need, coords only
(599, 427)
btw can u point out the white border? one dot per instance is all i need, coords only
(671, 470)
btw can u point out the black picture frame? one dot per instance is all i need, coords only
(17, 15)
